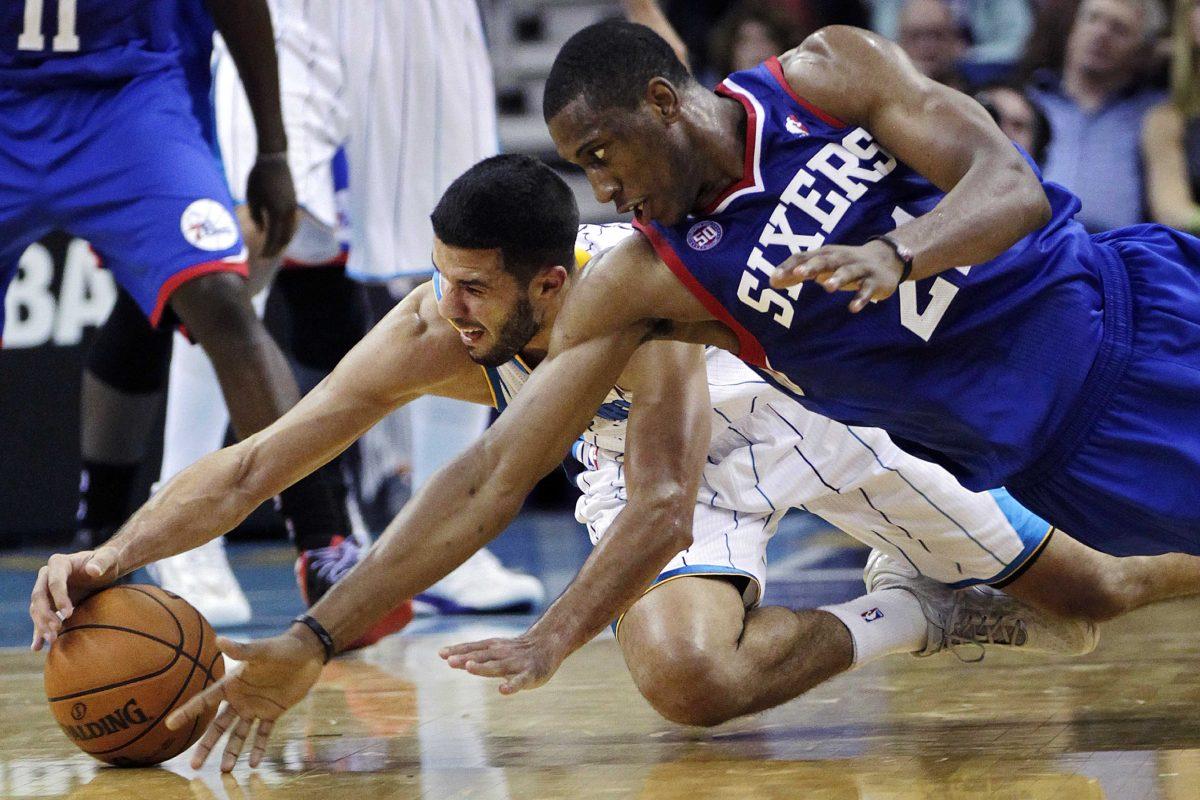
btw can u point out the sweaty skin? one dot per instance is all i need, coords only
(611, 314)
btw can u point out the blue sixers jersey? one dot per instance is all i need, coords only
(59, 42)
(947, 364)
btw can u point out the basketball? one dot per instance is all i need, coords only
(126, 658)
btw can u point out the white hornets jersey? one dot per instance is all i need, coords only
(733, 387)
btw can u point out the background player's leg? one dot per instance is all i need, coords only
(700, 658)
(196, 421)
(1073, 580)
(123, 381)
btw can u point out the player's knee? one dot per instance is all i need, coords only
(689, 684)
(216, 310)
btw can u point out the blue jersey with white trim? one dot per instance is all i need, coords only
(973, 369)
(68, 42)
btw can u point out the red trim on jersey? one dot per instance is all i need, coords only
(337, 261)
(749, 349)
(194, 271)
(776, 69)
(751, 145)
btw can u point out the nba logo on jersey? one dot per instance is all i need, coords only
(795, 126)
(871, 615)
(705, 235)
(207, 225)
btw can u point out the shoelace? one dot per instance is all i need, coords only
(971, 629)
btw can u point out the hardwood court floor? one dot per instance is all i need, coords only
(394, 722)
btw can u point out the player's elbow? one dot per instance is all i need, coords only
(1037, 207)
(1030, 204)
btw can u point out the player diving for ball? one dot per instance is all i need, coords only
(699, 646)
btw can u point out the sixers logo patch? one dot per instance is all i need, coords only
(705, 235)
(208, 225)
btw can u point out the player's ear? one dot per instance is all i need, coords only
(663, 97)
(550, 281)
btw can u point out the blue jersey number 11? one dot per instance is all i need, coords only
(65, 40)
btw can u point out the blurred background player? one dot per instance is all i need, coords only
(329, 99)
(137, 178)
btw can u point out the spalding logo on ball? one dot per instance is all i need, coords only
(126, 658)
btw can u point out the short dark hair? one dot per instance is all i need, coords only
(516, 204)
(609, 65)
(1042, 133)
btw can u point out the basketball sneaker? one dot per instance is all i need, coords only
(481, 585)
(967, 622)
(202, 576)
(317, 570)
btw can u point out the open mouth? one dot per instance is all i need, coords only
(470, 335)
(637, 207)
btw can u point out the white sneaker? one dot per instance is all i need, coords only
(481, 585)
(202, 577)
(979, 619)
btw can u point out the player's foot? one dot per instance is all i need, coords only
(202, 577)
(482, 585)
(977, 619)
(317, 570)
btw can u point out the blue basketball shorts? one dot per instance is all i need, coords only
(126, 167)
(1129, 483)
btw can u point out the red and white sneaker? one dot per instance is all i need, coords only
(320, 568)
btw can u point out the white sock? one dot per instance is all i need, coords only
(882, 623)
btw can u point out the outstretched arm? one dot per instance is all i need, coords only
(467, 503)
(245, 25)
(410, 352)
(667, 437)
(993, 198)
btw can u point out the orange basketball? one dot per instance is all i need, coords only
(125, 659)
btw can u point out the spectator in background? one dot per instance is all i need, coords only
(748, 34)
(1018, 116)
(934, 39)
(997, 28)
(1046, 47)
(1171, 134)
(1096, 108)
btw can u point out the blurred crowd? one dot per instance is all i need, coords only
(1102, 94)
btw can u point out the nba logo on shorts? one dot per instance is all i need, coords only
(705, 235)
(208, 225)
(871, 615)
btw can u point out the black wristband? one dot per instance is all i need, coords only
(321, 634)
(906, 259)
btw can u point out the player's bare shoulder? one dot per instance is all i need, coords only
(843, 70)
(417, 339)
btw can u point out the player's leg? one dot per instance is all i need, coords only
(123, 380)
(699, 657)
(1073, 580)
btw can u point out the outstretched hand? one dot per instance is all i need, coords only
(525, 662)
(872, 271)
(274, 675)
(62, 583)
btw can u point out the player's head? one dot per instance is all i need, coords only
(504, 243)
(614, 103)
